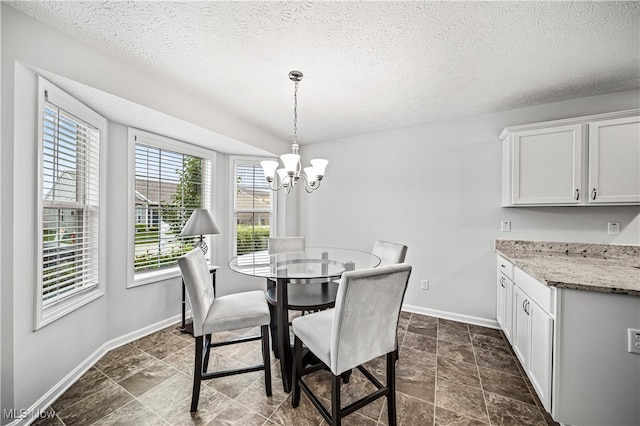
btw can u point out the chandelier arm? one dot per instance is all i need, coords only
(277, 188)
(307, 186)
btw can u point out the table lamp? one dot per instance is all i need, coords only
(200, 223)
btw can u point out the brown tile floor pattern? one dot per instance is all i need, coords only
(449, 373)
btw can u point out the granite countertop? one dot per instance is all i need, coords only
(605, 268)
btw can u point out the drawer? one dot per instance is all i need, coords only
(505, 267)
(539, 292)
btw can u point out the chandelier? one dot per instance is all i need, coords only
(290, 174)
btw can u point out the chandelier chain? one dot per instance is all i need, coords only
(295, 113)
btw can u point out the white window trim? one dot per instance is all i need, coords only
(44, 316)
(274, 209)
(142, 278)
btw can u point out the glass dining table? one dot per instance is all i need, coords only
(314, 264)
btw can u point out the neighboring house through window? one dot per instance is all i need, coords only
(253, 208)
(70, 264)
(170, 180)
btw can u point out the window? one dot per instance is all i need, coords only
(69, 265)
(171, 179)
(253, 204)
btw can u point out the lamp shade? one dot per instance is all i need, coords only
(269, 168)
(200, 223)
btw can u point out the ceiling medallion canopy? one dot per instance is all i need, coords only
(290, 174)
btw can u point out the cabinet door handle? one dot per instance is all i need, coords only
(594, 193)
(502, 281)
(577, 194)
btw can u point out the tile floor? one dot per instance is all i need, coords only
(449, 373)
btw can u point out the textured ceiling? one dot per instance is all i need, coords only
(368, 66)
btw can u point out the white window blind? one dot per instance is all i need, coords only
(70, 170)
(169, 185)
(253, 208)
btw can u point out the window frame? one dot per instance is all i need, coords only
(246, 160)
(45, 315)
(136, 279)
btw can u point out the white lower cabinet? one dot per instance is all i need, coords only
(520, 342)
(540, 352)
(530, 329)
(572, 345)
(504, 313)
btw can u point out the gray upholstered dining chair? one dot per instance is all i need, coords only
(286, 244)
(215, 314)
(362, 326)
(308, 296)
(389, 253)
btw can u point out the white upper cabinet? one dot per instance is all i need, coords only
(547, 166)
(575, 162)
(614, 161)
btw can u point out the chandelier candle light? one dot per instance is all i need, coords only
(291, 172)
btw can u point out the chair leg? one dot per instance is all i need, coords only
(197, 374)
(335, 401)
(345, 376)
(273, 326)
(205, 362)
(391, 384)
(297, 370)
(266, 358)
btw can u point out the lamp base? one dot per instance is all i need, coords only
(202, 245)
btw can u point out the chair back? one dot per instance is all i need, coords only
(389, 253)
(285, 244)
(366, 315)
(197, 280)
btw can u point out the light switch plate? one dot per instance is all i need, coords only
(613, 228)
(633, 341)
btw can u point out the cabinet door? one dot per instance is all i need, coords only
(540, 344)
(547, 166)
(501, 303)
(520, 342)
(504, 313)
(614, 161)
(508, 314)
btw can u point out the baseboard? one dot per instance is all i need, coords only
(484, 322)
(134, 335)
(37, 410)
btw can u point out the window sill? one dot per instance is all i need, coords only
(144, 278)
(57, 311)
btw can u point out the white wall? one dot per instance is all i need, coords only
(437, 188)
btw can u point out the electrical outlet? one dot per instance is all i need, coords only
(424, 284)
(613, 228)
(505, 226)
(634, 341)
